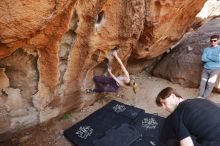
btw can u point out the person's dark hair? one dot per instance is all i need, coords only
(127, 84)
(214, 37)
(165, 93)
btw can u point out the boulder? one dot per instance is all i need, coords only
(183, 63)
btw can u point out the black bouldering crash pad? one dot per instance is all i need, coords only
(124, 135)
(116, 124)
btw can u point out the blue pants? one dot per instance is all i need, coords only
(207, 82)
(105, 84)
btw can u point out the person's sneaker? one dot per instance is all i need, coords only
(199, 97)
(88, 90)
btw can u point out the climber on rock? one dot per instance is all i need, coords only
(112, 83)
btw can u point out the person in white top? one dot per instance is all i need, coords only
(112, 83)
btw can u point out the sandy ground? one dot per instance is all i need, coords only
(51, 134)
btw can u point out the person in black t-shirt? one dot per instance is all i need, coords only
(199, 118)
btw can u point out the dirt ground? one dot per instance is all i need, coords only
(51, 134)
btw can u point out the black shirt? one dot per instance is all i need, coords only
(196, 117)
